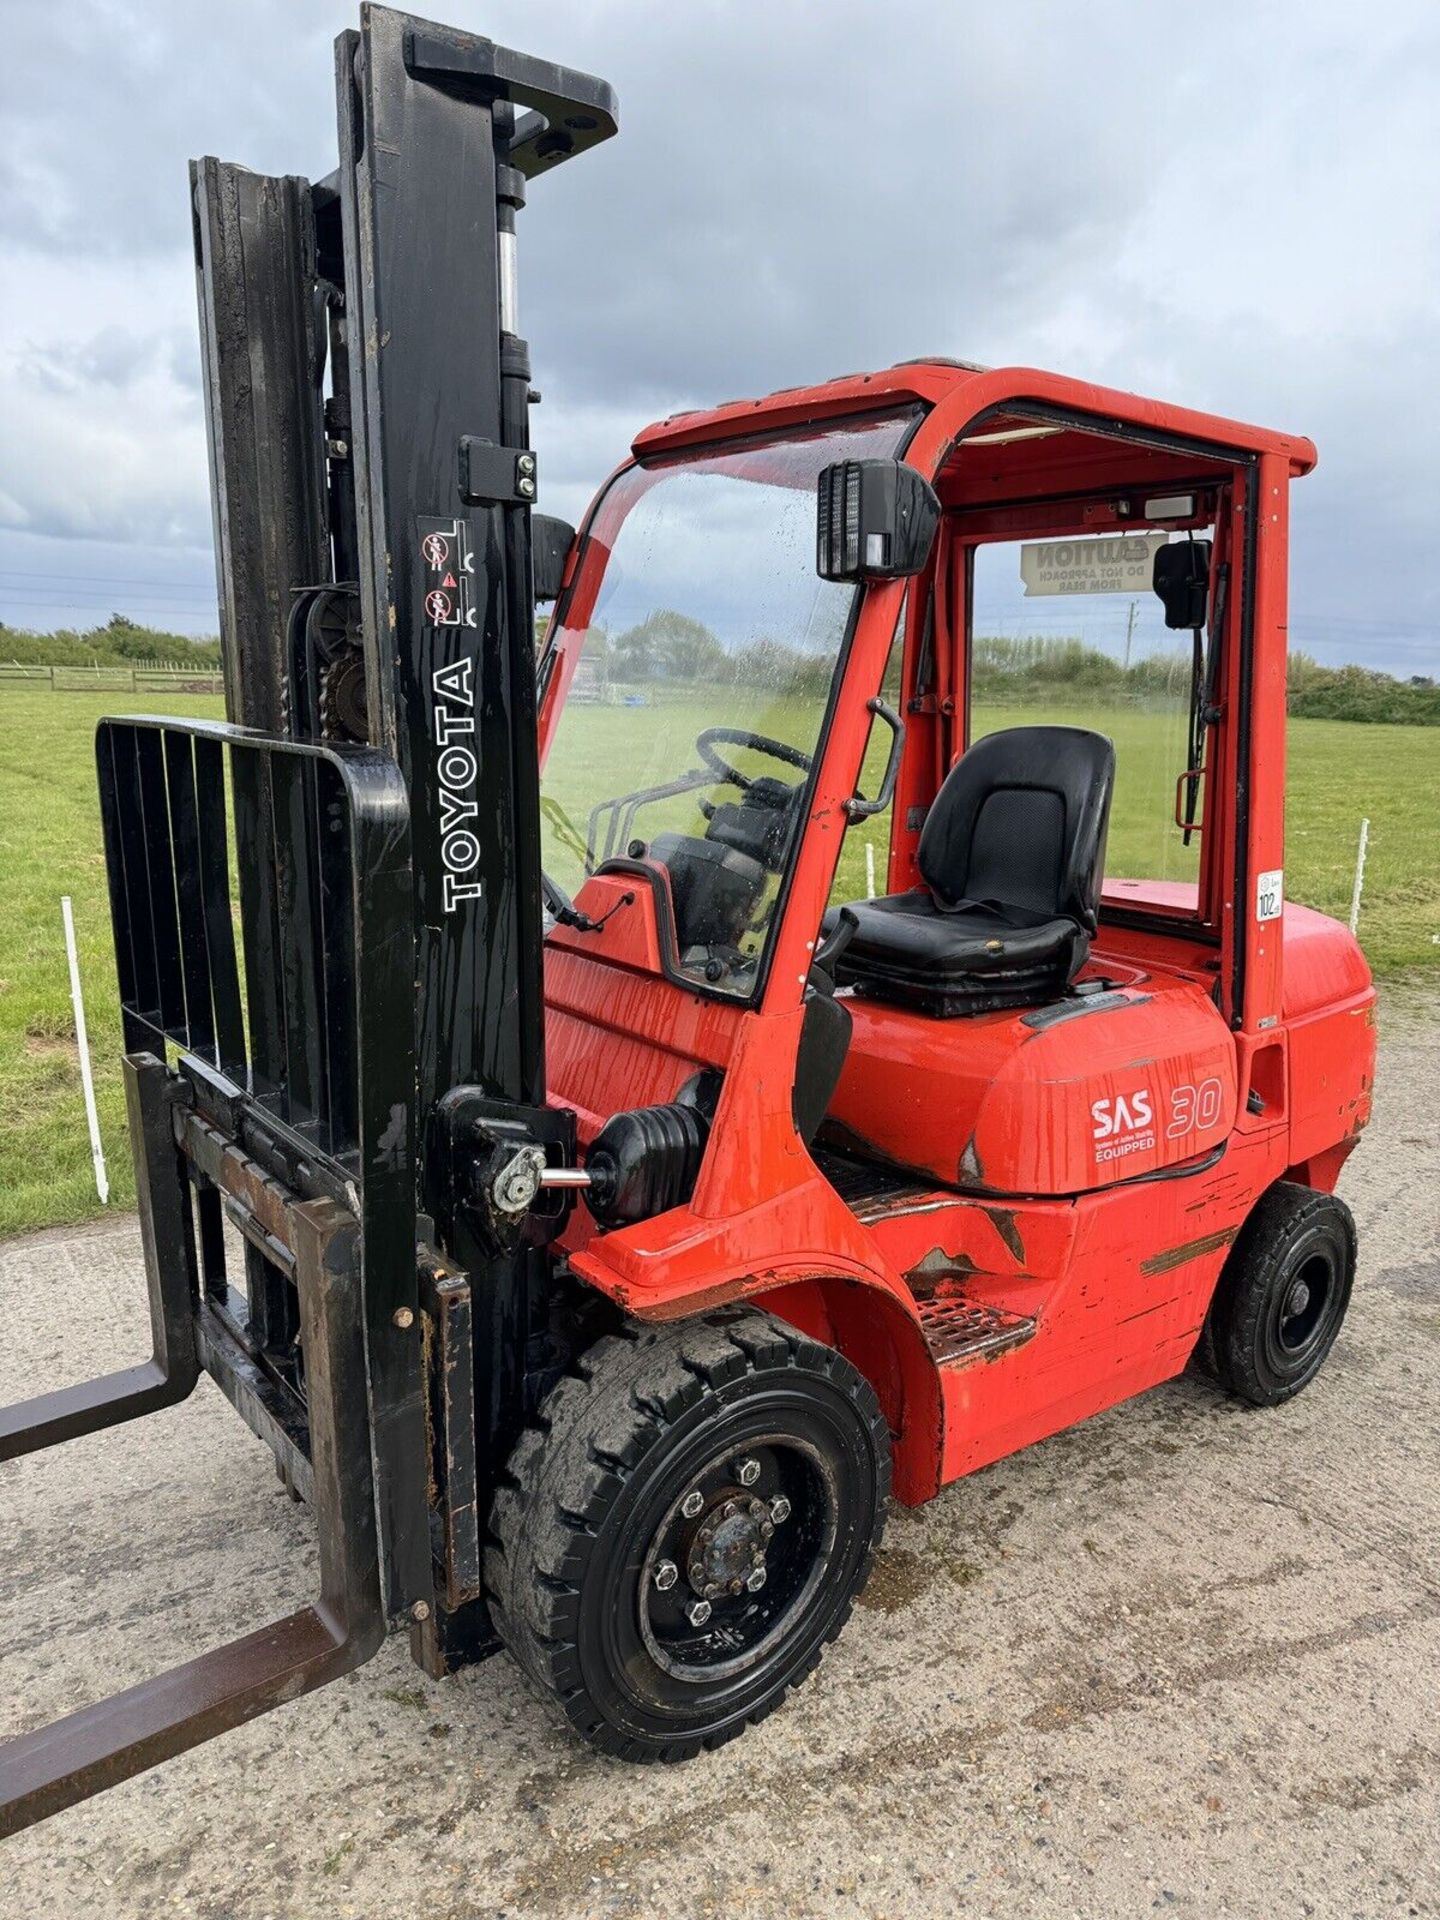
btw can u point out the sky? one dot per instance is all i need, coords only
(1236, 207)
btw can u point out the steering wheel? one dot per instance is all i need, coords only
(706, 743)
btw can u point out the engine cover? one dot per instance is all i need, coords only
(1053, 1100)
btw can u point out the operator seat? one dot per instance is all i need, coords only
(1011, 855)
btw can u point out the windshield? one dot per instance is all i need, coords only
(695, 671)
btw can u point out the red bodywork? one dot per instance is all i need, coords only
(1071, 1185)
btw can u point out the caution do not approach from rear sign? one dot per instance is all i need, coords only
(1115, 564)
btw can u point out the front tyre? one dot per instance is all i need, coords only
(686, 1529)
(1283, 1294)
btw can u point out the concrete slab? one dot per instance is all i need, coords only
(1182, 1659)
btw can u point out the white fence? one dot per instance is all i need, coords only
(160, 676)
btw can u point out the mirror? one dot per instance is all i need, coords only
(1181, 579)
(551, 540)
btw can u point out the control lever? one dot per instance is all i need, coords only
(564, 910)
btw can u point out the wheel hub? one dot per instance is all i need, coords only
(728, 1548)
(1304, 1303)
(736, 1557)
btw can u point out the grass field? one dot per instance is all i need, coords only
(50, 845)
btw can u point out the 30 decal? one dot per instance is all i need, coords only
(1194, 1109)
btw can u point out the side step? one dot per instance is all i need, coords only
(873, 1191)
(958, 1330)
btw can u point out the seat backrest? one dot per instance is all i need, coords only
(1021, 819)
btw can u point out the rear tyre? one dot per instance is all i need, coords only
(687, 1528)
(1283, 1294)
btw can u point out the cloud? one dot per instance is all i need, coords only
(1239, 214)
(102, 103)
(104, 438)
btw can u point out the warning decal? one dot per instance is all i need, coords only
(448, 577)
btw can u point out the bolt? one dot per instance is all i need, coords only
(526, 489)
(403, 1317)
(779, 1509)
(692, 1503)
(420, 1610)
(747, 1472)
(728, 1510)
(737, 1586)
(698, 1612)
(766, 1529)
(666, 1574)
(526, 463)
(756, 1579)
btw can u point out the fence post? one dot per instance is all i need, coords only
(1359, 875)
(82, 1043)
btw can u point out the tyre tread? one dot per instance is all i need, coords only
(600, 1423)
(1284, 1212)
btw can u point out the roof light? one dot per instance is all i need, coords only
(1004, 438)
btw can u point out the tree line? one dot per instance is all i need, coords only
(119, 643)
(1005, 670)
(674, 647)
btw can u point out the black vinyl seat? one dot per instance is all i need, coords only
(1011, 855)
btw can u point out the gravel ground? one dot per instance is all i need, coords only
(1183, 1659)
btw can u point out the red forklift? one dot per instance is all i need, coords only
(596, 1210)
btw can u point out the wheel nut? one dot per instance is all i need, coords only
(779, 1509)
(698, 1612)
(692, 1503)
(756, 1579)
(747, 1472)
(666, 1574)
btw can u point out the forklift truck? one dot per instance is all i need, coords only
(597, 1258)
